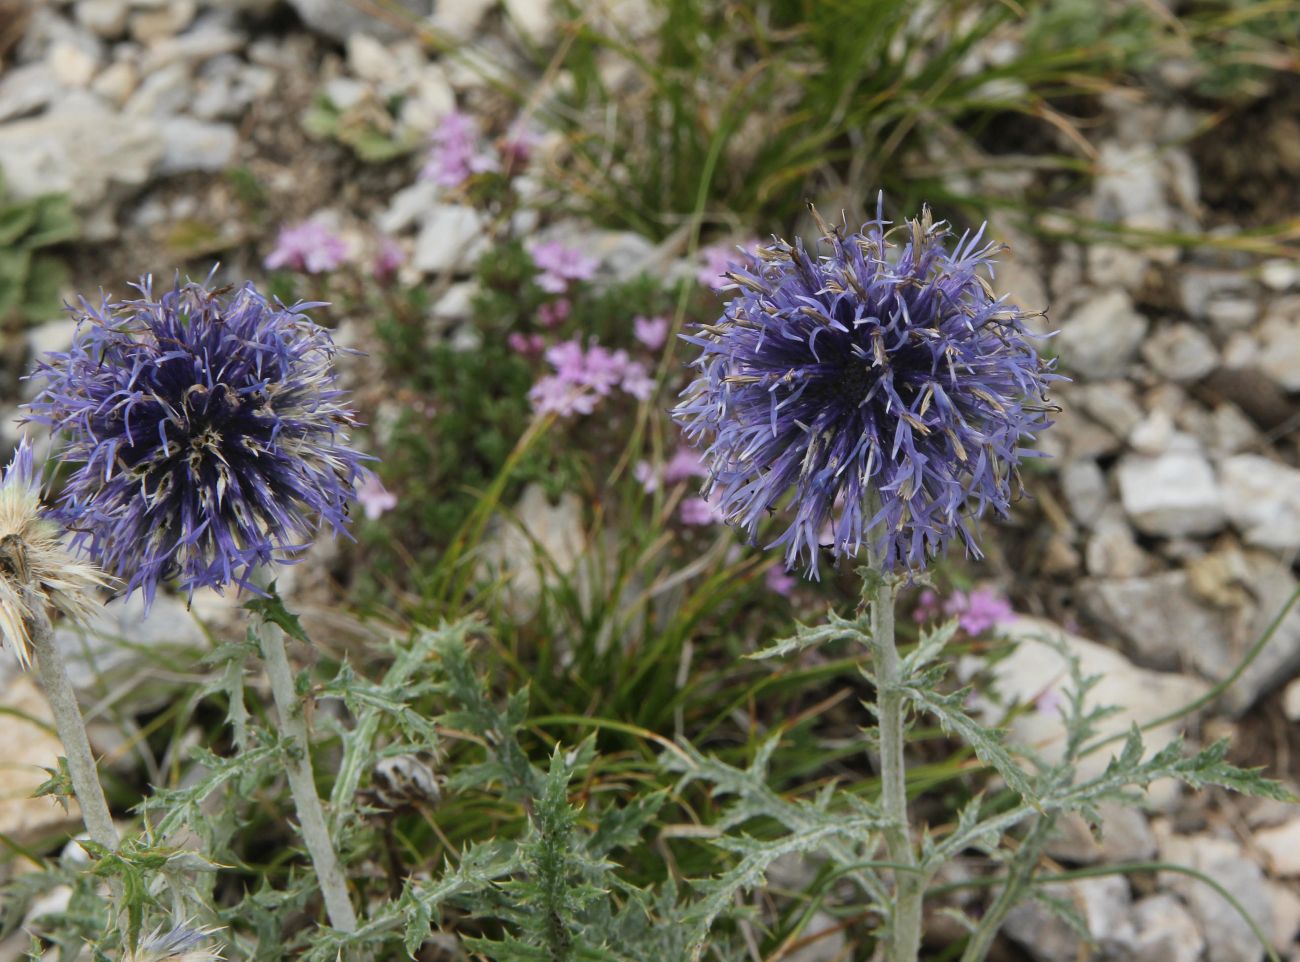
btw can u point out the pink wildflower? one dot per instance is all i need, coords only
(375, 499)
(650, 331)
(559, 265)
(529, 345)
(637, 381)
(309, 247)
(518, 144)
(927, 606)
(717, 261)
(456, 153)
(554, 313)
(779, 581)
(645, 475)
(685, 463)
(697, 511)
(554, 393)
(388, 259)
(978, 611)
(1050, 702)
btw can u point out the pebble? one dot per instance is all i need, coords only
(30, 747)
(1102, 903)
(1101, 338)
(27, 89)
(1262, 498)
(72, 65)
(163, 21)
(1281, 846)
(117, 82)
(1181, 353)
(105, 18)
(1285, 904)
(1278, 336)
(1037, 665)
(1153, 434)
(1165, 931)
(1113, 404)
(1162, 621)
(534, 18)
(80, 149)
(1291, 700)
(190, 145)
(1171, 494)
(1112, 551)
(451, 237)
(1084, 485)
(1279, 274)
(1228, 937)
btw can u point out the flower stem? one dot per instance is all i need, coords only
(72, 729)
(909, 886)
(302, 782)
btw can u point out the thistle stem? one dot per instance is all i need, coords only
(302, 782)
(71, 728)
(909, 886)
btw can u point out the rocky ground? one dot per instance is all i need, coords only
(1166, 525)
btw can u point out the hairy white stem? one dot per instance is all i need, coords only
(909, 885)
(302, 782)
(72, 729)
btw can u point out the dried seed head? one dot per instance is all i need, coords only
(35, 567)
(182, 944)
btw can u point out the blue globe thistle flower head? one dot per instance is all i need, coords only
(208, 433)
(877, 383)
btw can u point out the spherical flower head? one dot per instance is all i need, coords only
(877, 384)
(207, 432)
(35, 567)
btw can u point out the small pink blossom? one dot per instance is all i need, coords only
(650, 331)
(979, 611)
(718, 259)
(645, 475)
(309, 248)
(529, 345)
(388, 259)
(555, 394)
(927, 606)
(685, 463)
(456, 152)
(697, 511)
(637, 381)
(554, 313)
(1050, 702)
(375, 499)
(559, 265)
(518, 144)
(779, 581)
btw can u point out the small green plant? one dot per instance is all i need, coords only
(32, 278)
(368, 128)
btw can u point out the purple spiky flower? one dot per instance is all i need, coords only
(208, 434)
(878, 382)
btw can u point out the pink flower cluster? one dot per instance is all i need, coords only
(718, 259)
(457, 152)
(683, 465)
(585, 375)
(309, 248)
(375, 499)
(650, 331)
(976, 611)
(559, 265)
